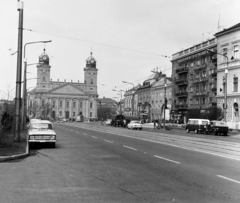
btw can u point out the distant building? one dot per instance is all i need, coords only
(106, 107)
(57, 99)
(161, 94)
(194, 82)
(229, 45)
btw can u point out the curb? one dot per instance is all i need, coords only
(18, 156)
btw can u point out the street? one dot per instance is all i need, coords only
(94, 163)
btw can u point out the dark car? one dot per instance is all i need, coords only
(118, 120)
(217, 127)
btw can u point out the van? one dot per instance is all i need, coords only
(197, 125)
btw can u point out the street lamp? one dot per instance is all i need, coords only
(120, 91)
(25, 82)
(132, 94)
(165, 87)
(224, 84)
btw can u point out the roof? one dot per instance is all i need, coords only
(227, 30)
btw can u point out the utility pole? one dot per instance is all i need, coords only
(19, 74)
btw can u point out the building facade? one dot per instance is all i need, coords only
(194, 81)
(161, 95)
(228, 71)
(55, 99)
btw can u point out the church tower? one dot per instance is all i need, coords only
(90, 75)
(43, 73)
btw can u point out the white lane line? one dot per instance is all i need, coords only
(228, 179)
(129, 148)
(84, 134)
(94, 137)
(108, 141)
(166, 159)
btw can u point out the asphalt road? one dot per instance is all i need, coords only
(104, 164)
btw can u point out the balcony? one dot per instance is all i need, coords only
(200, 93)
(200, 67)
(181, 106)
(181, 81)
(182, 70)
(199, 80)
(181, 94)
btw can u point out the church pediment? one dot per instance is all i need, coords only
(67, 89)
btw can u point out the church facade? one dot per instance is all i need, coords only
(56, 100)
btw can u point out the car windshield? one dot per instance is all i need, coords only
(135, 122)
(41, 126)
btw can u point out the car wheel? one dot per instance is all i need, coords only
(215, 132)
(140, 128)
(188, 130)
(196, 131)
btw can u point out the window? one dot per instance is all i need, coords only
(91, 81)
(90, 114)
(225, 55)
(60, 113)
(80, 104)
(192, 64)
(74, 113)
(91, 105)
(204, 74)
(74, 104)
(30, 104)
(53, 104)
(60, 104)
(67, 104)
(235, 84)
(203, 100)
(236, 52)
(198, 62)
(42, 103)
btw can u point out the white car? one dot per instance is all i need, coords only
(134, 125)
(41, 131)
(108, 122)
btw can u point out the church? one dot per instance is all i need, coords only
(57, 100)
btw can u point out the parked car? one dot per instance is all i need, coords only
(41, 131)
(197, 125)
(108, 122)
(217, 127)
(117, 120)
(134, 125)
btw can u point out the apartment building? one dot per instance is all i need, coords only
(194, 82)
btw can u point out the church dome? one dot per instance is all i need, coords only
(44, 58)
(91, 62)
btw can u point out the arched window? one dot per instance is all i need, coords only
(236, 110)
(91, 81)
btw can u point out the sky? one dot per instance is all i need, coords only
(128, 38)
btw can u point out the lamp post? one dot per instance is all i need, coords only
(25, 82)
(120, 91)
(224, 84)
(165, 87)
(132, 95)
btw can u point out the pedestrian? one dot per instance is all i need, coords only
(102, 121)
(154, 124)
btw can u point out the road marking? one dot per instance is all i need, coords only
(166, 159)
(108, 141)
(229, 179)
(94, 137)
(84, 134)
(129, 148)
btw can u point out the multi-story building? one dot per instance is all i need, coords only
(194, 82)
(161, 94)
(63, 99)
(143, 95)
(228, 71)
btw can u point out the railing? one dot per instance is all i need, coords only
(181, 94)
(200, 93)
(202, 66)
(214, 89)
(181, 81)
(197, 80)
(182, 70)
